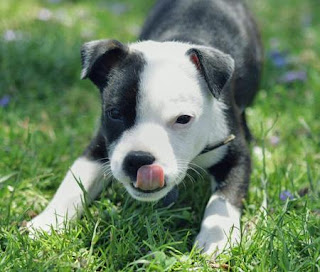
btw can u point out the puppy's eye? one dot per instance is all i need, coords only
(115, 114)
(183, 119)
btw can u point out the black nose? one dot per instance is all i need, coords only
(134, 160)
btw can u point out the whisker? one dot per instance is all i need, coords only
(198, 170)
(102, 159)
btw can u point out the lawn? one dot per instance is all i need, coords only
(47, 116)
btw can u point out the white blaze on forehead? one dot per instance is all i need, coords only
(169, 84)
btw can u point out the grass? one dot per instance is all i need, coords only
(51, 116)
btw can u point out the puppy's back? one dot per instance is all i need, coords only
(224, 24)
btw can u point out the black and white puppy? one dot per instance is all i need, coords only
(165, 99)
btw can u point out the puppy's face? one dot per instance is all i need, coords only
(159, 109)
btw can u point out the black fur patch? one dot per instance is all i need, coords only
(116, 72)
(99, 58)
(232, 173)
(121, 93)
(97, 149)
(216, 68)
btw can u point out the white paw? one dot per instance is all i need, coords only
(44, 222)
(213, 241)
(37, 225)
(220, 227)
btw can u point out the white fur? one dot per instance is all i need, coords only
(68, 200)
(220, 227)
(144, 137)
(218, 130)
(170, 86)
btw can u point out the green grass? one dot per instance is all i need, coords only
(52, 115)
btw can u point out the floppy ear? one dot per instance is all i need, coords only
(216, 67)
(99, 57)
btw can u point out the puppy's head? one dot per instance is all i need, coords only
(160, 108)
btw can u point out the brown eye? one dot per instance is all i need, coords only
(183, 119)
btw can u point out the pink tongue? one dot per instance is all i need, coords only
(150, 177)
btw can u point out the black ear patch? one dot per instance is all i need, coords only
(99, 57)
(216, 67)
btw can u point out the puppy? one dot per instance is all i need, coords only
(165, 101)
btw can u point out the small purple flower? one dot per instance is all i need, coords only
(293, 76)
(274, 140)
(4, 101)
(284, 195)
(278, 58)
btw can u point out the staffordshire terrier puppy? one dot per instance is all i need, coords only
(166, 101)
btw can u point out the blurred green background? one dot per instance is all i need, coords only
(48, 115)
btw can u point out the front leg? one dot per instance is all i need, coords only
(220, 226)
(67, 202)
